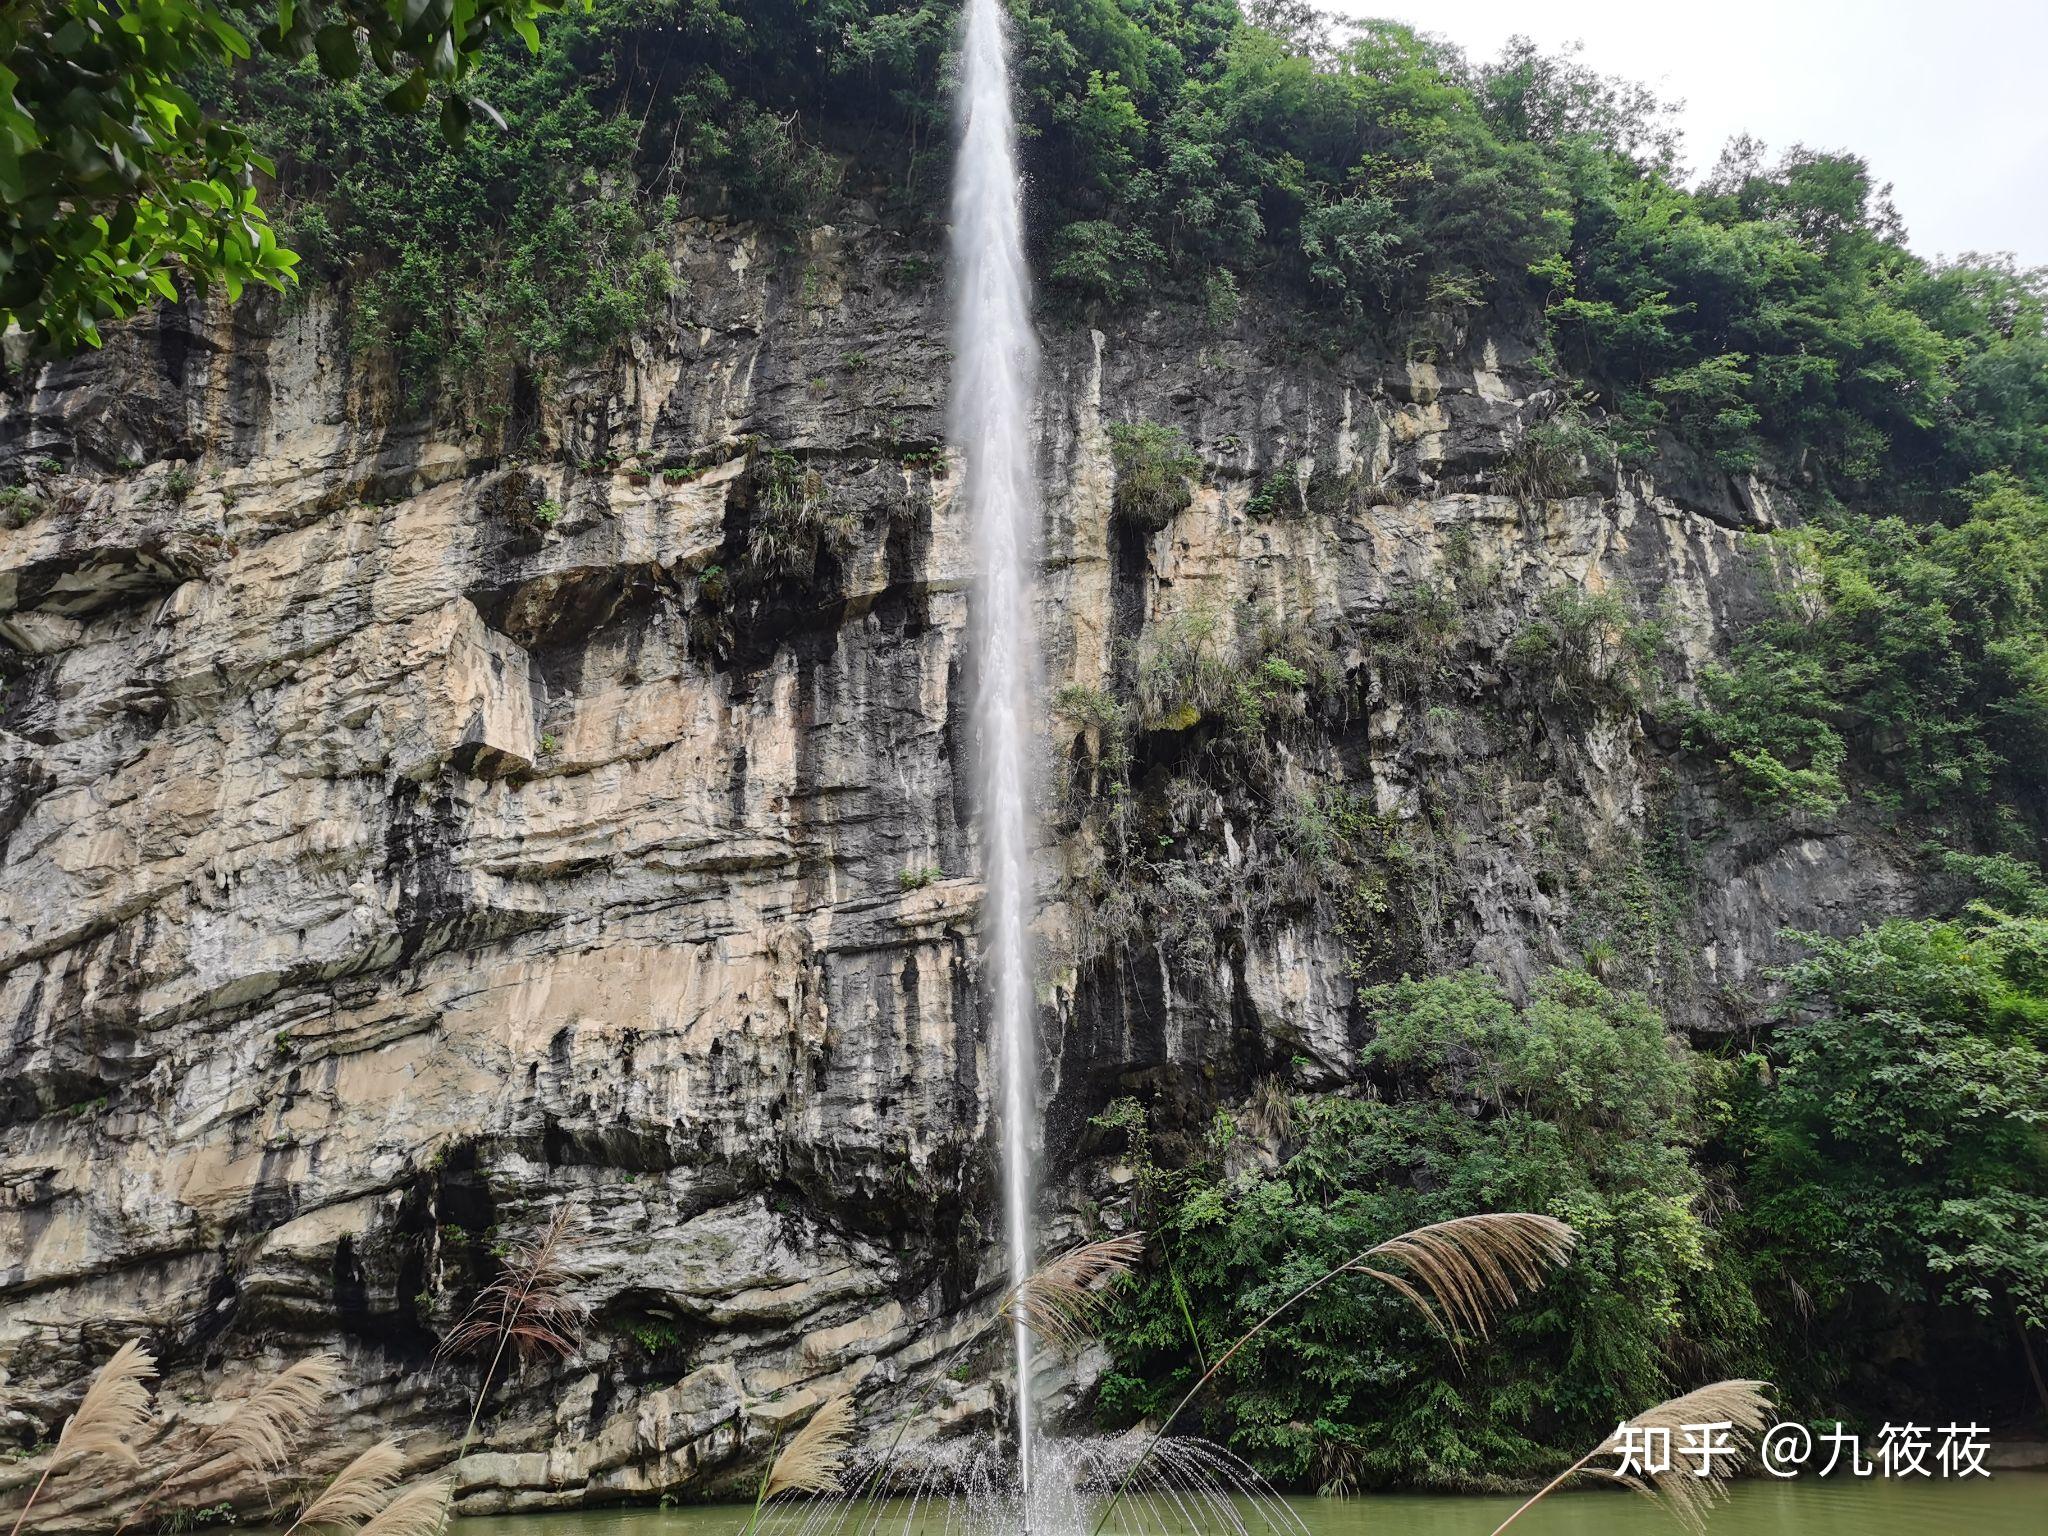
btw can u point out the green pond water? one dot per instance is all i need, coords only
(2007, 1504)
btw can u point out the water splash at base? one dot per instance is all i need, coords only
(969, 1487)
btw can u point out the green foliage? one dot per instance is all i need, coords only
(1780, 308)
(1922, 650)
(917, 879)
(1774, 311)
(2001, 881)
(794, 521)
(1189, 673)
(1416, 633)
(1155, 473)
(1576, 1104)
(1587, 650)
(654, 1335)
(203, 1518)
(1278, 495)
(115, 180)
(1893, 1143)
(535, 245)
(1088, 706)
(20, 505)
(1358, 869)
(1552, 459)
(1773, 315)
(1097, 711)
(1221, 298)
(1104, 261)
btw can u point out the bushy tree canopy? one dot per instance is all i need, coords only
(114, 180)
(1773, 312)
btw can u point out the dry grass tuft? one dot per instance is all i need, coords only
(1688, 1498)
(422, 1510)
(266, 1425)
(113, 1412)
(1063, 1300)
(1269, 1112)
(358, 1492)
(261, 1432)
(111, 1415)
(1459, 1273)
(810, 1462)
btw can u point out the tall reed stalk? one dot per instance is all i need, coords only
(527, 1310)
(262, 1432)
(810, 1462)
(259, 1434)
(113, 1412)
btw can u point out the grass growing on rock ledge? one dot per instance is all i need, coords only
(1155, 473)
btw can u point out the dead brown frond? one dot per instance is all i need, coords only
(1460, 1273)
(358, 1491)
(1063, 1300)
(422, 1510)
(113, 1412)
(528, 1307)
(1690, 1486)
(810, 1462)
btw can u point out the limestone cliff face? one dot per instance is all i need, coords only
(409, 829)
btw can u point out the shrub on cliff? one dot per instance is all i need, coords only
(1155, 473)
(1587, 650)
(1922, 650)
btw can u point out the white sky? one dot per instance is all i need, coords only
(1946, 99)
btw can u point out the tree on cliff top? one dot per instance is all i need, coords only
(113, 179)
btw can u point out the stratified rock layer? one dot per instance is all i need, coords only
(407, 833)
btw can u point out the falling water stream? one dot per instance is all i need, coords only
(995, 373)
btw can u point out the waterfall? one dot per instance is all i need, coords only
(994, 373)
